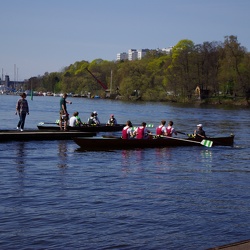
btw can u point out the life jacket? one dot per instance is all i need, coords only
(169, 131)
(159, 130)
(112, 121)
(140, 133)
(91, 121)
(125, 133)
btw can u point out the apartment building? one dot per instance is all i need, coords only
(138, 54)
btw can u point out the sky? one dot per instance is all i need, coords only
(39, 36)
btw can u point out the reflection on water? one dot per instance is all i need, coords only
(20, 156)
(207, 159)
(62, 154)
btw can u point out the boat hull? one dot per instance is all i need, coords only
(111, 143)
(218, 141)
(87, 128)
(33, 135)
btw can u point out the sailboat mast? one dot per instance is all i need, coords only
(111, 81)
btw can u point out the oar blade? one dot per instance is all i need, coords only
(207, 143)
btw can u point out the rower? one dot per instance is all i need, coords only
(170, 129)
(199, 132)
(127, 131)
(75, 120)
(93, 119)
(142, 132)
(161, 129)
(112, 121)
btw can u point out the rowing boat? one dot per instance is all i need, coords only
(84, 128)
(217, 141)
(111, 142)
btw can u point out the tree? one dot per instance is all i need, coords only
(233, 67)
(181, 71)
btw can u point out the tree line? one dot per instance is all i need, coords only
(191, 71)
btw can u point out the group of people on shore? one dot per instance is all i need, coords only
(140, 132)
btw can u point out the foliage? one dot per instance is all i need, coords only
(217, 68)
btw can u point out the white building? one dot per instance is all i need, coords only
(141, 53)
(122, 56)
(132, 54)
(138, 54)
(167, 50)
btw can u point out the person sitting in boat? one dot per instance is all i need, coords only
(127, 131)
(75, 120)
(142, 132)
(112, 121)
(199, 132)
(170, 129)
(96, 119)
(161, 129)
(93, 119)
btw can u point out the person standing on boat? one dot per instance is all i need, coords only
(112, 121)
(142, 132)
(127, 131)
(161, 129)
(64, 116)
(22, 109)
(170, 129)
(199, 132)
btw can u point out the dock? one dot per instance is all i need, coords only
(36, 135)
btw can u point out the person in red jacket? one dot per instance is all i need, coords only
(170, 129)
(161, 129)
(127, 131)
(142, 132)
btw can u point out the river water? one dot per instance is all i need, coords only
(54, 196)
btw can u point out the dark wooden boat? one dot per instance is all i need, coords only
(218, 141)
(36, 135)
(85, 128)
(111, 142)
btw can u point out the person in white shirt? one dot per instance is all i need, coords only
(75, 120)
(72, 121)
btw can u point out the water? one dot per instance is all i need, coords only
(55, 197)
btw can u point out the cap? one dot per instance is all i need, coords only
(111, 115)
(199, 125)
(95, 113)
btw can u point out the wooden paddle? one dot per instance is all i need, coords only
(182, 133)
(42, 123)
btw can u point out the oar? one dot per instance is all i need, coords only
(147, 126)
(182, 133)
(206, 143)
(42, 123)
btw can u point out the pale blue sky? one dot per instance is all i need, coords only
(41, 36)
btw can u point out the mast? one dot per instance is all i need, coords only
(111, 81)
